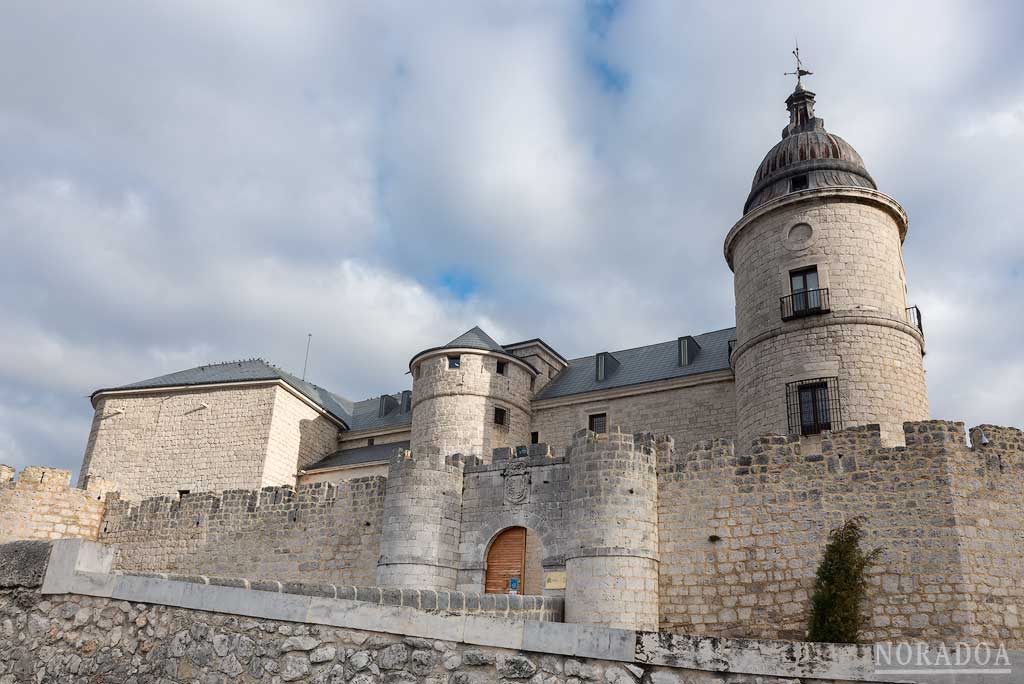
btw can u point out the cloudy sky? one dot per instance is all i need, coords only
(191, 182)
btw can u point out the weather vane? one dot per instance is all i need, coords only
(800, 71)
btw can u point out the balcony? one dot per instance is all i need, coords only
(804, 303)
(914, 318)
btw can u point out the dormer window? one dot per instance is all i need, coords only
(502, 367)
(798, 183)
(454, 362)
(606, 364)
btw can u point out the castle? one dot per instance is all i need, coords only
(687, 485)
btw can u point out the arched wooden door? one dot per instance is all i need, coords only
(515, 552)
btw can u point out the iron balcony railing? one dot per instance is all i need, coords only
(914, 316)
(804, 303)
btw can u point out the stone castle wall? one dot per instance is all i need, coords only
(742, 535)
(688, 414)
(244, 438)
(453, 408)
(853, 238)
(41, 504)
(324, 531)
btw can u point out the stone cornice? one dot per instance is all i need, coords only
(725, 375)
(833, 318)
(448, 351)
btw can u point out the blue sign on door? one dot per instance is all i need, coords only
(513, 585)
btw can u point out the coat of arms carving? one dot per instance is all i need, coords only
(517, 483)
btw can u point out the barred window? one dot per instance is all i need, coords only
(813, 406)
(598, 422)
(500, 416)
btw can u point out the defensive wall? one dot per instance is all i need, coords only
(321, 531)
(72, 620)
(41, 504)
(742, 535)
(637, 534)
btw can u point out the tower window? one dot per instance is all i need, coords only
(502, 366)
(534, 438)
(500, 416)
(454, 362)
(813, 406)
(598, 422)
(370, 441)
(798, 183)
(806, 298)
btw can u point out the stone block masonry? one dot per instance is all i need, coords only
(318, 532)
(204, 440)
(41, 504)
(742, 534)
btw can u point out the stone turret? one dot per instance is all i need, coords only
(470, 397)
(419, 546)
(612, 565)
(824, 335)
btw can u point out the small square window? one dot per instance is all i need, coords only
(454, 362)
(500, 416)
(502, 366)
(183, 492)
(534, 438)
(598, 422)
(369, 441)
(798, 183)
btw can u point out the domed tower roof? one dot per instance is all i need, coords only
(807, 157)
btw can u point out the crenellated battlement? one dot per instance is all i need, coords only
(40, 503)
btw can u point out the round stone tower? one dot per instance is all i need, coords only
(612, 565)
(825, 338)
(470, 397)
(419, 546)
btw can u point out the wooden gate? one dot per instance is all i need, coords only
(506, 559)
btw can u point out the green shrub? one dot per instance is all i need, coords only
(841, 586)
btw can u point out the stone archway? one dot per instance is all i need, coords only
(514, 552)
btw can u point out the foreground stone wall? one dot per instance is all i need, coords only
(742, 535)
(76, 639)
(323, 531)
(41, 504)
(688, 414)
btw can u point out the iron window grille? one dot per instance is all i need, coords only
(598, 422)
(813, 406)
(914, 316)
(805, 303)
(500, 416)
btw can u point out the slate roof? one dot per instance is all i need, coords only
(246, 371)
(369, 454)
(476, 338)
(365, 415)
(642, 364)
